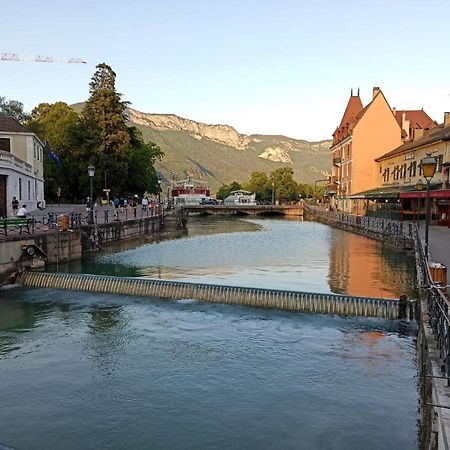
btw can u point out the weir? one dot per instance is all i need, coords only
(245, 296)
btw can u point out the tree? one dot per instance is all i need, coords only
(141, 170)
(14, 109)
(286, 188)
(225, 190)
(104, 115)
(57, 124)
(260, 184)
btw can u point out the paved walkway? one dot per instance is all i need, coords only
(439, 243)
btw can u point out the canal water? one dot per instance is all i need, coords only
(105, 371)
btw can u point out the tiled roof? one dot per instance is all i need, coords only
(439, 133)
(8, 124)
(417, 117)
(354, 106)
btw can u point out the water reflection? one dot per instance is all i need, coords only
(364, 267)
(270, 253)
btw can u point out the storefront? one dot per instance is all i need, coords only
(412, 206)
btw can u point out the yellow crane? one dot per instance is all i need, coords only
(39, 58)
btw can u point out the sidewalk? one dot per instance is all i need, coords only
(439, 243)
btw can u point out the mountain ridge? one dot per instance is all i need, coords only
(219, 154)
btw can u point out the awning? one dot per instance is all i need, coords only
(387, 192)
(441, 193)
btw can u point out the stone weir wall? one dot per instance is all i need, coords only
(254, 297)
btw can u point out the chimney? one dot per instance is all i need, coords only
(394, 110)
(375, 91)
(446, 119)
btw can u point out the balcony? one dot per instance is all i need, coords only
(337, 162)
(8, 161)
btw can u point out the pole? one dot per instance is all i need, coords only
(91, 212)
(427, 215)
(273, 193)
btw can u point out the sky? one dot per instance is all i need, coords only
(262, 66)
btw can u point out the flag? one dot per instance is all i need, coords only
(52, 155)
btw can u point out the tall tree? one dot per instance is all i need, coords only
(104, 114)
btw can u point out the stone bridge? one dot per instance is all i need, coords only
(253, 210)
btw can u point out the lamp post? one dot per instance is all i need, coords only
(273, 193)
(159, 189)
(428, 165)
(91, 173)
(419, 187)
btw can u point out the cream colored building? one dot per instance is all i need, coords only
(399, 173)
(21, 166)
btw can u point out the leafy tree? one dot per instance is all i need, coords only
(225, 190)
(141, 170)
(14, 109)
(261, 185)
(57, 124)
(286, 188)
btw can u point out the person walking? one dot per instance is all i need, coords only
(15, 205)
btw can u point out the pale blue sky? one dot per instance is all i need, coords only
(266, 66)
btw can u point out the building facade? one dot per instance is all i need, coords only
(21, 166)
(364, 134)
(400, 173)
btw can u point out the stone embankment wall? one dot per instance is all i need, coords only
(60, 246)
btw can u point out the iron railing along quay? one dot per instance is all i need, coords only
(51, 220)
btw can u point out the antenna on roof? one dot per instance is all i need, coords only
(358, 92)
(351, 92)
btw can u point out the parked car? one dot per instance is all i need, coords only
(209, 201)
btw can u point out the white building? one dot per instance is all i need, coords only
(21, 166)
(240, 197)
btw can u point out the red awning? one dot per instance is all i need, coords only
(445, 193)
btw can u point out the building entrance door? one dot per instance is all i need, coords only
(3, 197)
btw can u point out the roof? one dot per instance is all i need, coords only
(439, 133)
(417, 118)
(9, 124)
(354, 106)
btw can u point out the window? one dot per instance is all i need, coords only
(29, 190)
(5, 144)
(403, 171)
(20, 188)
(412, 169)
(35, 153)
(386, 175)
(439, 160)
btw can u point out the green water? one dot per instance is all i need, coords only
(83, 371)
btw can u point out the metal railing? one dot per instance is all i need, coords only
(374, 224)
(52, 221)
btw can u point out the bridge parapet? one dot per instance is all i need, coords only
(287, 210)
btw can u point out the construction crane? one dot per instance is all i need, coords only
(39, 58)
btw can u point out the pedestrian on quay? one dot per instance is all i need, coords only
(145, 203)
(116, 202)
(15, 205)
(22, 212)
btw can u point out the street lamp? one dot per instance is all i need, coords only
(159, 189)
(91, 173)
(273, 193)
(428, 165)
